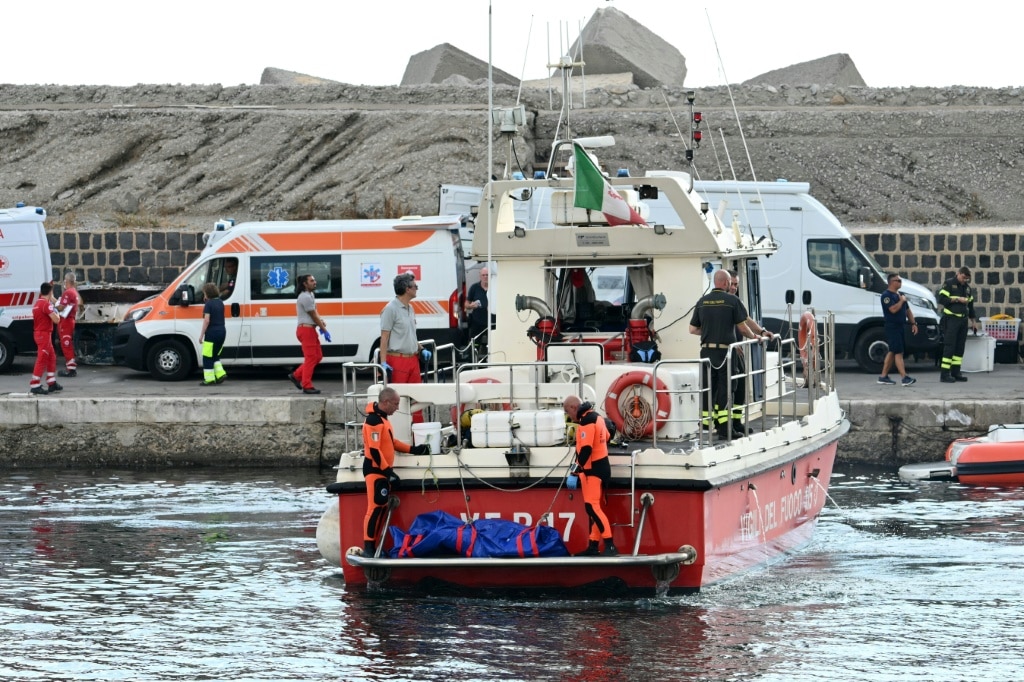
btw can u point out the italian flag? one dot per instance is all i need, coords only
(595, 193)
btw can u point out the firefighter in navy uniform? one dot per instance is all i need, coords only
(717, 318)
(379, 447)
(957, 301)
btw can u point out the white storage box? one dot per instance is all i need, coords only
(526, 427)
(979, 353)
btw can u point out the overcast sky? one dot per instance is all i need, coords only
(115, 42)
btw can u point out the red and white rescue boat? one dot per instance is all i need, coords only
(688, 507)
(995, 459)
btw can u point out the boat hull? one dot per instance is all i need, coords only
(731, 525)
(995, 459)
(995, 464)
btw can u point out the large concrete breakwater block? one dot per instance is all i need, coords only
(157, 432)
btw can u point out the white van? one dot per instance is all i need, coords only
(818, 263)
(354, 262)
(24, 265)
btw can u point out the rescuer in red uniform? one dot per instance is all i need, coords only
(67, 308)
(44, 316)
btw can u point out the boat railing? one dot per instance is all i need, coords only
(818, 358)
(355, 396)
(514, 375)
(689, 423)
(477, 348)
(762, 386)
(356, 392)
(771, 390)
(781, 387)
(442, 363)
(439, 368)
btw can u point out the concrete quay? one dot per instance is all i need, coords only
(113, 417)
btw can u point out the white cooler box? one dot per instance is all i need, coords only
(535, 428)
(979, 353)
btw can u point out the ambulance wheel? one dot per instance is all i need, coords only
(6, 353)
(169, 360)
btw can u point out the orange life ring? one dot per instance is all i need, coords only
(457, 410)
(624, 381)
(808, 336)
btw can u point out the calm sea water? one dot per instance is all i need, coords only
(214, 575)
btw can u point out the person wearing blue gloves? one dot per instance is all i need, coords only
(308, 322)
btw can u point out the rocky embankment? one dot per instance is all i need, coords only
(166, 155)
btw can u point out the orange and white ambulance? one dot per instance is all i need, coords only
(354, 262)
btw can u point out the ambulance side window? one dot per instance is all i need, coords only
(273, 277)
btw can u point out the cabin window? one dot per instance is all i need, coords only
(594, 298)
(273, 277)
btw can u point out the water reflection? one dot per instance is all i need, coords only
(552, 639)
(215, 575)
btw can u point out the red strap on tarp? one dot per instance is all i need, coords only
(533, 540)
(472, 540)
(408, 542)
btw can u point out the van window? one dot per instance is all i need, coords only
(273, 277)
(835, 261)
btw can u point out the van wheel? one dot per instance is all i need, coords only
(870, 349)
(6, 353)
(169, 360)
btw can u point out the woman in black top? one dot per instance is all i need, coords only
(212, 336)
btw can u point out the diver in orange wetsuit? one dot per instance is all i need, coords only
(594, 471)
(379, 447)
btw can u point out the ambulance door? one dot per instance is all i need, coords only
(189, 319)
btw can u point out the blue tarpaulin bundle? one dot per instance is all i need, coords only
(439, 534)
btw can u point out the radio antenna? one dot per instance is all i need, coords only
(739, 126)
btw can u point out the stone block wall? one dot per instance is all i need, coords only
(124, 256)
(929, 256)
(926, 255)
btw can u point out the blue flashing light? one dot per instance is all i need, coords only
(517, 175)
(623, 173)
(20, 204)
(40, 211)
(539, 175)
